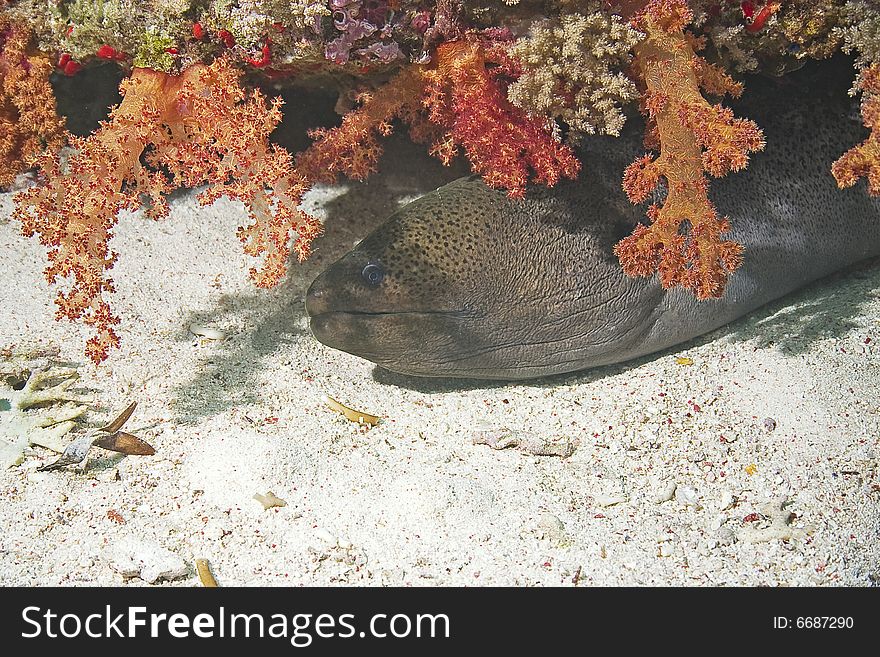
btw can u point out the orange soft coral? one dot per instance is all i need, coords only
(353, 148)
(864, 159)
(694, 138)
(196, 128)
(28, 120)
(456, 102)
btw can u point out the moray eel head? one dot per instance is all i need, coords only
(403, 297)
(463, 282)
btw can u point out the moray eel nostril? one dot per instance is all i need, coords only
(316, 299)
(465, 282)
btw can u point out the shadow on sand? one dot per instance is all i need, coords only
(230, 378)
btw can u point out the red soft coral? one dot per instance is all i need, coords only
(224, 143)
(457, 102)
(504, 145)
(353, 148)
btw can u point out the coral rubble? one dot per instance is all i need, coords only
(38, 402)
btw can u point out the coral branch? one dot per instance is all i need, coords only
(864, 160)
(695, 138)
(197, 128)
(503, 143)
(28, 120)
(353, 148)
(456, 102)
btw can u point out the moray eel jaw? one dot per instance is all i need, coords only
(386, 338)
(369, 334)
(402, 329)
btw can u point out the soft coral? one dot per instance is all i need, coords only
(28, 120)
(459, 101)
(864, 159)
(694, 138)
(504, 145)
(197, 128)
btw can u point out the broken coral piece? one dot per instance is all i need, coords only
(206, 332)
(526, 442)
(773, 524)
(695, 138)
(116, 517)
(136, 557)
(203, 568)
(351, 414)
(38, 406)
(270, 500)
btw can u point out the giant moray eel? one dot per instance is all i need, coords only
(465, 282)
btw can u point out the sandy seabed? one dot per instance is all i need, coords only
(679, 476)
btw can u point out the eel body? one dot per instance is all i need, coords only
(465, 282)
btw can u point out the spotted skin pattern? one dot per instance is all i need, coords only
(476, 285)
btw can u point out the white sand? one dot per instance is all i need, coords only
(414, 501)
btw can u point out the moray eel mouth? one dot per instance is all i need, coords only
(385, 337)
(349, 330)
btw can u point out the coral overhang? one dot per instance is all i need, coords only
(511, 86)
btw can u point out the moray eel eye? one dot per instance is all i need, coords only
(373, 274)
